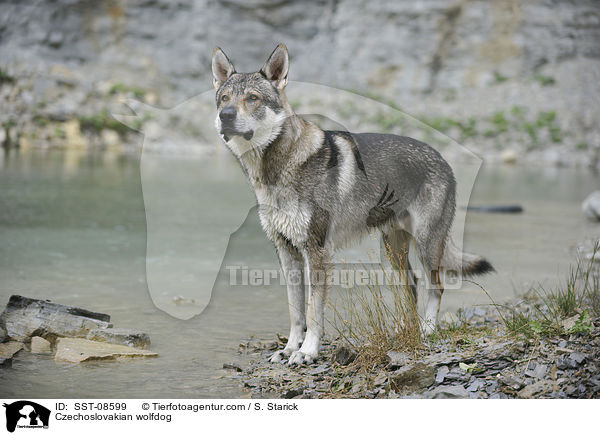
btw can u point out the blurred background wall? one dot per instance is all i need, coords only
(433, 58)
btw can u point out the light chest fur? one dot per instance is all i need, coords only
(281, 210)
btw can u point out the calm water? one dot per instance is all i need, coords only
(73, 229)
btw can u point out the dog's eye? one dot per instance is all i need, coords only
(252, 97)
(225, 98)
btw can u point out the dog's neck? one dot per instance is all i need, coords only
(286, 147)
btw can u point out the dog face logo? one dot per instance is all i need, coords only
(26, 414)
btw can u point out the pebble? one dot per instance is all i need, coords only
(508, 156)
(577, 357)
(536, 370)
(441, 374)
(344, 355)
(475, 385)
(564, 363)
(228, 366)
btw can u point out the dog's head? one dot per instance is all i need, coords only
(250, 106)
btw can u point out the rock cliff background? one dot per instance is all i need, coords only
(506, 76)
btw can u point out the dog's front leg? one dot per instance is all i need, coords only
(316, 276)
(292, 265)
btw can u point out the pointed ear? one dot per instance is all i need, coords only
(276, 68)
(222, 68)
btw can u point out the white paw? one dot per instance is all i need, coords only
(277, 357)
(298, 358)
(280, 355)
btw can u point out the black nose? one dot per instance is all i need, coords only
(228, 114)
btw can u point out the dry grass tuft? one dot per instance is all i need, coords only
(377, 318)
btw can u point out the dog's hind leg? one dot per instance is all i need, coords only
(434, 301)
(292, 265)
(316, 262)
(430, 234)
(396, 244)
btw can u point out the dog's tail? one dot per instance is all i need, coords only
(463, 262)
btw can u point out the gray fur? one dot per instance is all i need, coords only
(319, 190)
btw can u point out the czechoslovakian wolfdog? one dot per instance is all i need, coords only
(317, 189)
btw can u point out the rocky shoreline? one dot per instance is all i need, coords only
(71, 334)
(486, 361)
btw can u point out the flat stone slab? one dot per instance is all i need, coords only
(78, 350)
(25, 317)
(40, 345)
(126, 337)
(8, 350)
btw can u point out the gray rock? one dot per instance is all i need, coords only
(536, 370)
(344, 355)
(591, 206)
(441, 374)
(536, 389)
(443, 358)
(398, 359)
(457, 374)
(475, 385)
(577, 357)
(358, 384)
(235, 367)
(290, 394)
(25, 317)
(380, 379)
(447, 392)
(491, 387)
(514, 382)
(412, 378)
(565, 363)
(253, 383)
(126, 337)
(319, 369)
(570, 390)
(55, 39)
